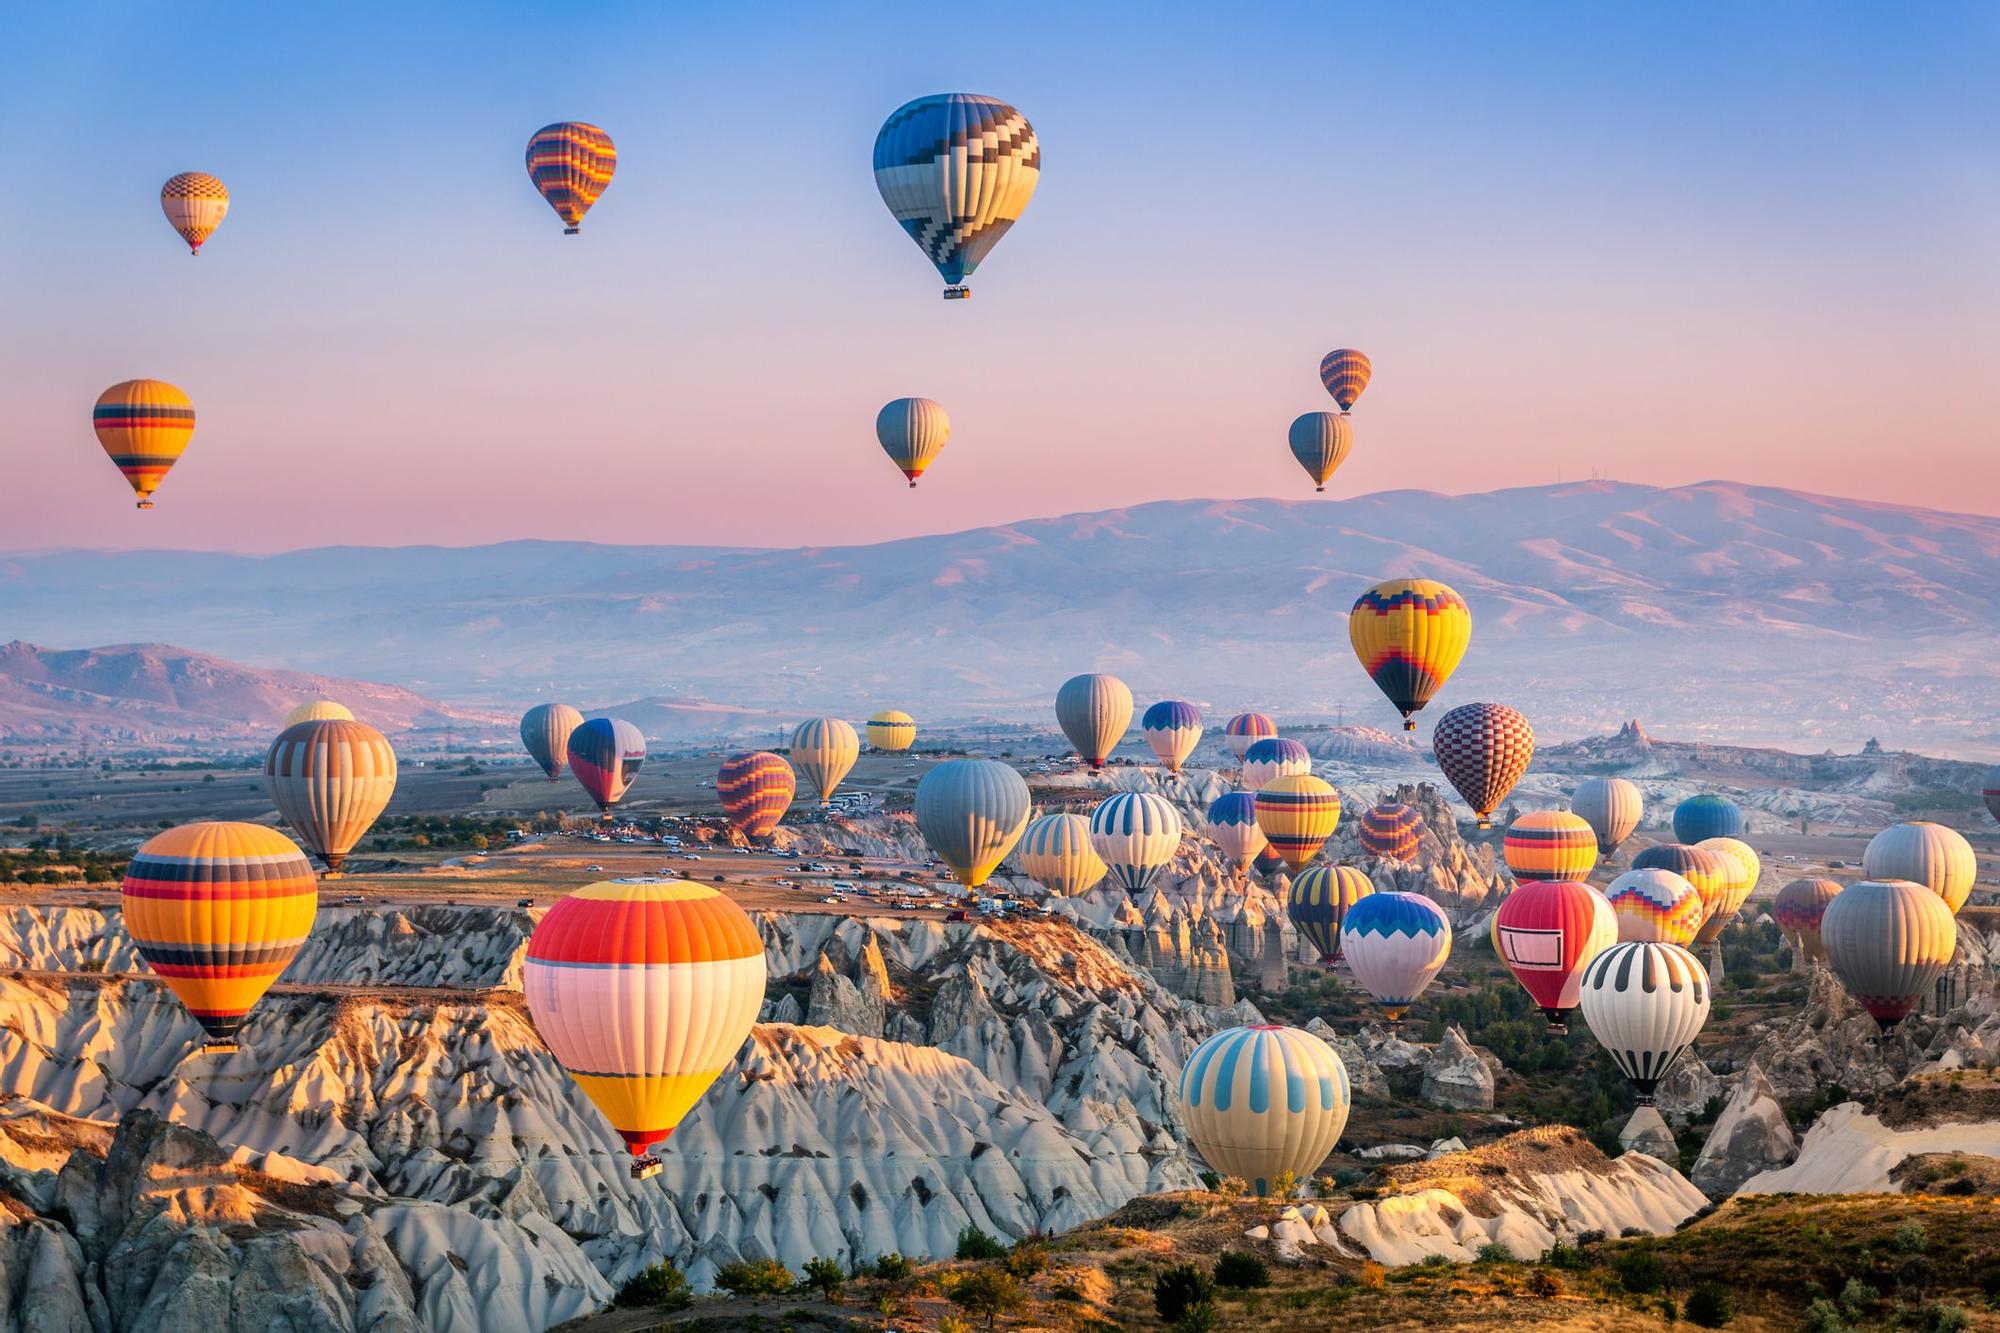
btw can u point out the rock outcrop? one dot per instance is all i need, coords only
(1750, 1136)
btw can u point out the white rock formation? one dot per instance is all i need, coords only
(1750, 1136)
(1848, 1151)
(1456, 1077)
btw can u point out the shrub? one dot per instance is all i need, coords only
(1372, 1274)
(975, 1244)
(892, 1267)
(824, 1276)
(661, 1287)
(1241, 1269)
(1939, 1317)
(987, 1291)
(1493, 1252)
(1823, 1316)
(1178, 1287)
(1066, 1286)
(1028, 1258)
(761, 1277)
(1709, 1305)
(1909, 1238)
(1285, 1184)
(1564, 1257)
(1210, 1181)
(1325, 1186)
(1855, 1298)
(1231, 1187)
(1542, 1282)
(1201, 1317)
(1640, 1271)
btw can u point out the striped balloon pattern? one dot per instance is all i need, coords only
(571, 164)
(1887, 941)
(912, 431)
(1057, 854)
(1272, 758)
(1706, 870)
(1094, 711)
(892, 731)
(1137, 834)
(1318, 903)
(195, 204)
(1699, 818)
(605, 753)
(1409, 636)
(1799, 911)
(1173, 729)
(1231, 824)
(1395, 943)
(144, 427)
(1392, 830)
(1321, 442)
(755, 790)
(1550, 845)
(1261, 1101)
(1345, 374)
(1645, 1003)
(824, 749)
(956, 171)
(1546, 932)
(971, 812)
(1656, 907)
(644, 990)
(545, 731)
(1268, 862)
(330, 780)
(318, 710)
(1740, 872)
(1298, 813)
(1246, 729)
(1929, 854)
(1483, 749)
(218, 912)
(1611, 806)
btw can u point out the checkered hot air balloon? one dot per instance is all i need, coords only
(1392, 830)
(1546, 932)
(1318, 902)
(1345, 373)
(1137, 834)
(972, 812)
(144, 427)
(1550, 845)
(1321, 442)
(755, 790)
(1055, 851)
(545, 731)
(644, 990)
(605, 753)
(330, 780)
(1298, 813)
(1645, 1004)
(1409, 636)
(1246, 729)
(195, 204)
(1483, 749)
(1655, 906)
(824, 749)
(1173, 729)
(956, 171)
(912, 431)
(1262, 1101)
(571, 164)
(1800, 910)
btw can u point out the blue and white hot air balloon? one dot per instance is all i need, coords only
(1274, 757)
(1136, 833)
(1173, 729)
(1260, 1101)
(956, 170)
(1395, 943)
(1231, 824)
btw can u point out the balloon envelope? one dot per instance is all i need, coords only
(1550, 845)
(1546, 932)
(1645, 1003)
(971, 812)
(1699, 818)
(1231, 824)
(1887, 941)
(892, 730)
(1094, 711)
(912, 431)
(1740, 872)
(195, 204)
(1611, 806)
(1261, 1101)
(1246, 729)
(1318, 903)
(1483, 749)
(1395, 943)
(1345, 373)
(1298, 813)
(956, 170)
(1173, 729)
(1321, 442)
(330, 780)
(755, 790)
(571, 163)
(1136, 833)
(1799, 911)
(1707, 870)
(1409, 636)
(144, 427)
(1656, 906)
(824, 749)
(1932, 855)
(1055, 852)
(317, 710)
(1393, 830)
(1989, 791)
(545, 730)
(605, 754)
(1272, 758)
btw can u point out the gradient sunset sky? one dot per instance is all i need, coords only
(1668, 243)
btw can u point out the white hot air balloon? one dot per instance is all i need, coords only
(1055, 852)
(1645, 1003)
(1260, 1101)
(1932, 855)
(1136, 833)
(1395, 943)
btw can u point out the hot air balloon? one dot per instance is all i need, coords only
(195, 204)
(1546, 932)
(892, 730)
(956, 170)
(1392, 830)
(1272, 758)
(912, 432)
(755, 791)
(1799, 910)
(644, 989)
(1136, 833)
(1409, 635)
(1932, 855)
(1055, 852)
(1887, 941)
(605, 754)
(1298, 813)
(317, 710)
(971, 812)
(1645, 1003)
(1395, 943)
(1550, 845)
(1989, 791)
(1318, 903)
(1263, 1101)
(1094, 711)
(545, 730)
(1345, 373)
(1321, 441)
(218, 911)
(824, 749)
(330, 780)
(144, 426)
(1483, 749)
(1173, 729)
(1656, 907)
(1611, 806)
(1707, 870)
(1246, 729)
(1741, 871)
(1699, 818)
(1231, 824)
(571, 164)
(1268, 862)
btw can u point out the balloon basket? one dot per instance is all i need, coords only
(219, 1048)
(144, 504)
(1409, 724)
(571, 231)
(957, 293)
(645, 1168)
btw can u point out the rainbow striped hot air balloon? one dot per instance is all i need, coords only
(1799, 911)
(1656, 907)
(1272, 758)
(1392, 830)
(545, 731)
(1550, 845)
(1483, 749)
(1924, 853)
(1231, 824)
(755, 791)
(195, 204)
(644, 989)
(956, 170)
(571, 164)
(1395, 943)
(1546, 932)
(1055, 851)
(605, 754)
(317, 710)
(1245, 730)
(1137, 834)
(1345, 373)
(1645, 1003)
(1741, 871)
(825, 748)
(1318, 903)
(912, 431)
(971, 812)
(1708, 871)
(1262, 1101)
(1611, 806)
(144, 427)
(1173, 729)
(218, 912)
(330, 780)
(1409, 636)
(1321, 442)
(1699, 818)
(892, 731)
(1093, 711)
(1298, 814)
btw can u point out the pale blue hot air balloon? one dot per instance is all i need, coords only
(956, 170)
(1136, 833)
(971, 812)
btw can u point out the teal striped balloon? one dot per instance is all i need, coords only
(1259, 1101)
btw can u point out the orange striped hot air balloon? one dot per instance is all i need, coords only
(1298, 814)
(330, 780)
(1409, 635)
(755, 791)
(644, 989)
(218, 911)
(571, 163)
(144, 426)
(1345, 374)
(1550, 845)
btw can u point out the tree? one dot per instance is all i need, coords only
(824, 1276)
(974, 1244)
(987, 1291)
(661, 1287)
(1201, 1317)
(1241, 1268)
(1178, 1287)
(1709, 1305)
(760, 1277)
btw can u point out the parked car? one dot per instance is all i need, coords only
(957, 914)
(353, 898)
(593, 870)
(524, 902)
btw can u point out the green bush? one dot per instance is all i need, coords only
(825, 1276)
(1856, 1297)
(1709, 1305)
(976, 1245)
(1201, 1317)
(1285, 1184)
(1493, 1252)
(1241, 1269)
(661, 1287)
(1564, 1257)
(1027, 1258)
(1909, 1238)
(1178, 1287)
(1640, 1271)
(1939, 1317)
(892, 1267)
(1209, 1181)
(758, 1277)
(987, 1291)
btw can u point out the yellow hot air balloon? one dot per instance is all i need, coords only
(1264, 1101)
(318, 710)
(330, 780)
(1345, 373)
(218, 911)
(912, 431)
(824, 749)
(144, 426)
(1298, 814)
(1741, 872)
(1056, 852)
(892, 730)
(1409, 635)
(195, 203)
(644, 990)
